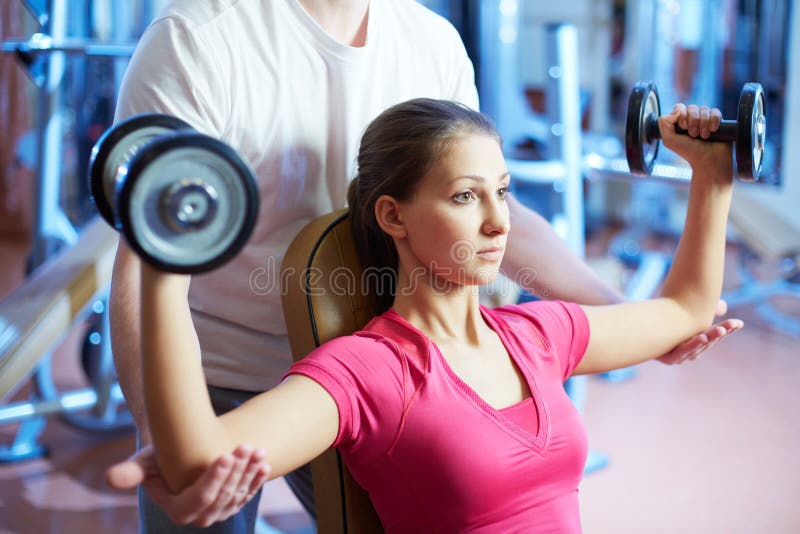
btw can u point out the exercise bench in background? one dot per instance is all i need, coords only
(769, 237)
(65, 290)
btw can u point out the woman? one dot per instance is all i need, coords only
(451, 415)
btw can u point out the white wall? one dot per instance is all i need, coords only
(785, 201)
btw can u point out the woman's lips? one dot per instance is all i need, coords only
(490, 254)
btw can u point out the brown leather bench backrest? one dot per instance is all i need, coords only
(323, 299)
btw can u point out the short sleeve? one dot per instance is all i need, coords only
(362, 375)
(561, 326)
(172, 71)
(464, 88)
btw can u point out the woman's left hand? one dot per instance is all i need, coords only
(693, 347)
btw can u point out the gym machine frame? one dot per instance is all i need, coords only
(94, 409)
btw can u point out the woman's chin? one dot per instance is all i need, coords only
(486, 277)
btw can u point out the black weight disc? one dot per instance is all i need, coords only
(751, 132)
(115, 147)
(223, 199)
(640, 149)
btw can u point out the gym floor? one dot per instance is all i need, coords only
(705, 447)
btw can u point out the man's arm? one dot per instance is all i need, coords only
(542, 263)
(125, 328)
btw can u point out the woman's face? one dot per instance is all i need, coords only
(457, 221)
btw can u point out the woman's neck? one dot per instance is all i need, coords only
(443, 311)
(344, 20)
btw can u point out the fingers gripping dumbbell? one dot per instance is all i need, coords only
(185, 202)
(747, 132)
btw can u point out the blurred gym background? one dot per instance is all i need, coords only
(705, 447)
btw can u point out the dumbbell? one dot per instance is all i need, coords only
(747, 132)
(185, 202)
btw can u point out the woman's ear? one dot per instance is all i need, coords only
(389, 216)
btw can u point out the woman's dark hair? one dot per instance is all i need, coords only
(397, 149)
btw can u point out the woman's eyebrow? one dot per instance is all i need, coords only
(479, 178)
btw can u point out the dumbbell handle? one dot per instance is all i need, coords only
(726, 134)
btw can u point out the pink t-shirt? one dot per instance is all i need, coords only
(432, 454)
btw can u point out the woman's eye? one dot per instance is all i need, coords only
(464, 198)
(501, 193)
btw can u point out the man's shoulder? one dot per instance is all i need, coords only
(198, 13)
(412, 16)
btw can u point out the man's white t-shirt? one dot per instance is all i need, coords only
(264, 77)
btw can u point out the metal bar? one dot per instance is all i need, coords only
(107, 404)
(40, 10)
(529, 171)
(599, 168)
(727, 133)
(40, 43)
(500, 91)
(564, 105)
(648, 276)
(596, 168)
(75, 400)
(71, 401)
(25, 443)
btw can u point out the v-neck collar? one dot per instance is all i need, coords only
(540, 439)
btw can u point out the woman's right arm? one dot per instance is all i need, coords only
(294, 422)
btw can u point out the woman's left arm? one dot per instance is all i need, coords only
(633, 332)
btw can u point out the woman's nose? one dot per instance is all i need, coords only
(497, 219)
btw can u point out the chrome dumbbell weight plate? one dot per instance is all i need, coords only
(747, 132)
(751, 132)
(114, 150)
(641, 142)
(188, 203)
